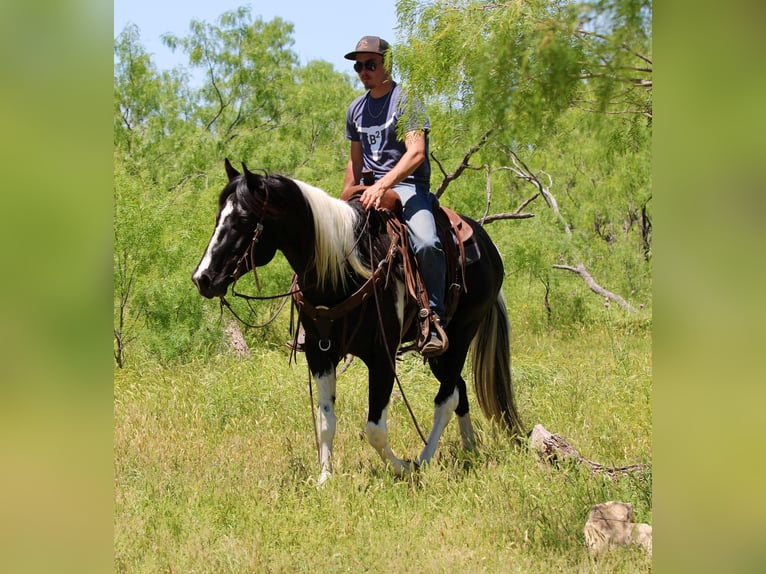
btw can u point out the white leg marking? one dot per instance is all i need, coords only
(467, 435)
(377, 436)
(325, 422)
(442, 416)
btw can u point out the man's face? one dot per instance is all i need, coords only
(371, 71)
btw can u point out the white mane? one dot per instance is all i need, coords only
(335, 244)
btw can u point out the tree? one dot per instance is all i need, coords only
(247, 65)
(254, 104)
(562, 87)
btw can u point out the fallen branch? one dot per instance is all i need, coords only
(595, 287)
(554, 447)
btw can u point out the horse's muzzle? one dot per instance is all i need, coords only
(206, 286)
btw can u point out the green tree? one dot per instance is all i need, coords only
(553, 100)
(247, 66)
(254, 104)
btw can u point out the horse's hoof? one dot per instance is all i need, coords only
(323, 478)
(407, 468)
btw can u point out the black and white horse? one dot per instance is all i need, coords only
(333, 246)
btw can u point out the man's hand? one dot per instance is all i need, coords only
(372, 195)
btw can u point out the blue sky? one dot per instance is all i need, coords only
(322, 30)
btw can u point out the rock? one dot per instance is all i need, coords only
(611, 523)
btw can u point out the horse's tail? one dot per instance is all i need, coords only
(491, 357)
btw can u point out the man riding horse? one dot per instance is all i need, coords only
(402, 166)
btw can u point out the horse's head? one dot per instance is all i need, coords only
(239, 239)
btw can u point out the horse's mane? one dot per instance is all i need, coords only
(335, 242)
(335, 224)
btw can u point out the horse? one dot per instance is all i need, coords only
(337, 249)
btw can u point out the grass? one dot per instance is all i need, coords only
(215, 466)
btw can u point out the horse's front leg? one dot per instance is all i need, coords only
(381, 381)
(326, 421)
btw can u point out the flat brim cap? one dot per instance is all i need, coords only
(368, 45)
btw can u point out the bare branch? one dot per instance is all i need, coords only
(522, 171)
(501, 216)
(624, 46)
(448, 178)
(441, 167)
(595, 287)
(527, 202)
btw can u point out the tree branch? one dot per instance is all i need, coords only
(624, 46)
(522, 171)
(501, 216)
(595, 287)
(449, 178)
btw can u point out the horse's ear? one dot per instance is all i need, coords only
(230, 171)
(247, 171)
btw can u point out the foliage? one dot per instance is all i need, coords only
(566, 86)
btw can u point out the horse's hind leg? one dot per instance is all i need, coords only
(444, 406)
(467, 434)
(451, 397)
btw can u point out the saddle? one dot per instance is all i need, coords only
(460, 250)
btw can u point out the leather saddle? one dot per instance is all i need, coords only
(456, 237)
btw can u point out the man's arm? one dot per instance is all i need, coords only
(415, 141)
(354, 166)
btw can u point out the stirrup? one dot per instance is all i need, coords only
(437, 343)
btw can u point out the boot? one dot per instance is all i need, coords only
(437, 342)
(298, 344)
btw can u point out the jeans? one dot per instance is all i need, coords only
(417, 203)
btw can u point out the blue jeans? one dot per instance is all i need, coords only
(417, 203)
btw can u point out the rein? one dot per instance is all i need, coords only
(225, 303)
(324, 316)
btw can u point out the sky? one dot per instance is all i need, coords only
(323, 30)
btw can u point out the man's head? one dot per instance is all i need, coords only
(369, 56)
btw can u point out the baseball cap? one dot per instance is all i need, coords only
(369, 44)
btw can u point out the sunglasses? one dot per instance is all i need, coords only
(369, 64)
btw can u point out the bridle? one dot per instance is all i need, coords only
(249, 256)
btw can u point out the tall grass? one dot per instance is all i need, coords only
(215, 465)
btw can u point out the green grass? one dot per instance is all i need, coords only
(215, 465)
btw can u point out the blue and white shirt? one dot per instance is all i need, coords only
(373, 122)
